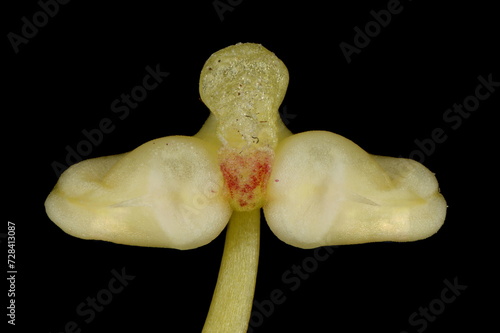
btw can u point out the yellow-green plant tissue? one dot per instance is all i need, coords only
(316, 188)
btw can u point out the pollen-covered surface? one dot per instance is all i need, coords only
(246, 174)
(243, 86)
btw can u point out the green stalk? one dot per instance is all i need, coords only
(233, 296)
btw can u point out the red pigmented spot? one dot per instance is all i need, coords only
(246, 174)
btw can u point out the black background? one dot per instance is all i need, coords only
(395, 91)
